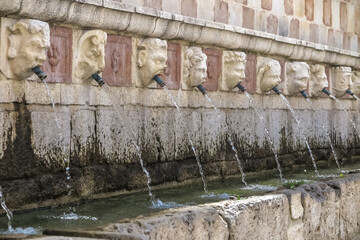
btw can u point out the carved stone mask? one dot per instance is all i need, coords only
(297, 75)
(355, 87)
(91, 54)
(234, 68)
(268, 74)
(195, 69)
(318, 80)
(341, 80)
(151, 59)
(28, 42)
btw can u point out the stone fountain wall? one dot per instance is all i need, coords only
(103, 159)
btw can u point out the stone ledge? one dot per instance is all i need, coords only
(149, 22)
(313, 211)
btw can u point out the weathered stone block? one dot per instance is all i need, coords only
(189, 8)
(248, 17)
(309, 10)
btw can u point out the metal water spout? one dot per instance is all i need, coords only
(241, 87)
(158, 80)
(349, 92)
(304, 94)
(276, 90)
(201, 89)
(98, 79)
(326, 92)
(39, 73)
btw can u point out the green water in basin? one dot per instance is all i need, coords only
(101, 212)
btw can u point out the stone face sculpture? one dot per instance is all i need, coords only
(28, 41)
(151, 59)
(297, 77)
(268, 74)
(91, 54)
(341, 80)
(234, 69)
(195, 69)
(318, 80)
(355, 86)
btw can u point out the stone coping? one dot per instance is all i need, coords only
(321, 210)
(142, 21)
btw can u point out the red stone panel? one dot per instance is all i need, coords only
(289, 7)
(309, 10)
(214, 66)
(172, 73)
(343, 16)
(58, 65)
(314, 33)
(189, 8)
(272, 24)
(294, 28)
(327, 12)
(221, 12)
(250, 73)
(266, 4)
(118, 52)
(248, 17)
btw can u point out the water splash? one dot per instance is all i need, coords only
(189, 138)
(9, 214)
(25, 231)
(73, 216)
(326, 132)
(230, 141)
(302, 134)
(158, 204)
(272, 145)
(347, 113)
(118, 103)
(61, 139)
(257, 187)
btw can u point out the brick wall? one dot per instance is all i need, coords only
(329, 22)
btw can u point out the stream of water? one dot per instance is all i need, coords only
(189, 138)
(229, 139)
(301, 132)
(9, 214)
(61, 140)
(326, 132)
(347, 114)
(271, 143)
(118, 103)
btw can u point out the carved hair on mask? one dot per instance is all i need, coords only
(268, 74)
(151, 59)
(91, 54)
(234, 69)
(318, 80)
(28, 42)
(195, 68)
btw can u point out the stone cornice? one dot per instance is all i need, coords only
(140, 21)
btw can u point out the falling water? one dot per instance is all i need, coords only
(272, 145)
(61, 139)
(117, 102)
(189, 138)
(326, 133)
(356, 97)
(9, 214)
(299, 126)
(230, 141)
(347, 113)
